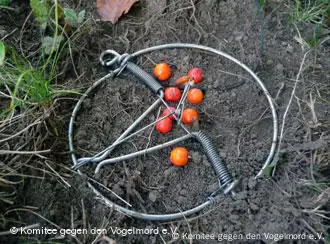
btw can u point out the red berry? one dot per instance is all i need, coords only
(172, 94)
(167, 111)
(196, 74)
(164, 126)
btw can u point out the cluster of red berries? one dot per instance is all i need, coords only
(179, 156)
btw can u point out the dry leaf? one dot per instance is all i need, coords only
(111, 10)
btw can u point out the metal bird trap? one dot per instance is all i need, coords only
(126, 64)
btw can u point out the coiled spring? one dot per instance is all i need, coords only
(217, 162)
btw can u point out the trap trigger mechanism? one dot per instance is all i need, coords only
(110, 57)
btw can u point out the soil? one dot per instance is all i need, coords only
(234, 114)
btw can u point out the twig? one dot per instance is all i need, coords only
(105, 239)
(312, 107)
(104, 225)
(71, 214)
(70, 49)
(8, 182)
(38, 121)
(58, 175)
(316, 211)
(310, 228)
(9, 34)
(194, 16)
(287, 110)
(291, 97)
(112, 192)
(24, 152)
(189, 228)
(12, 121)
(84, 217)
(162, 238)
(21, 34)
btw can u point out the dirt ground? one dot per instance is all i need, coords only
(234, 113)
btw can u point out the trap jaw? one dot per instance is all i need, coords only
(227, 184)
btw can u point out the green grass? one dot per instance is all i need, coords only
(4, 5)
(310, 11)
(29, 85)
(28, 90)
(26, 85)
(316, 12)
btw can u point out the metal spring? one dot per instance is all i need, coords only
(217, 162)
(144, 77)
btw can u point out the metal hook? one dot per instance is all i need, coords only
(106, 62)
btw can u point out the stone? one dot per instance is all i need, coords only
(269, 62)
(238, 36)
(279, 67)
(254, 207)
(216, 84)
(184, 192)
(205, 161)
(153, 195)
(171, 170)
(289, 48)
(196, 157)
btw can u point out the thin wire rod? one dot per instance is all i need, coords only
(182, 100)
(185, 90)
(104, 153)
(142, 152)
(82, 161)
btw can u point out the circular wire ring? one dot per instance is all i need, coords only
(172, 216)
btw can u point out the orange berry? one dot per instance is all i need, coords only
(195, 96)
(182, 80)
(189, 116)
(179, 156)
(162, 71)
